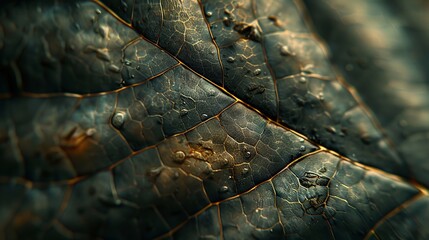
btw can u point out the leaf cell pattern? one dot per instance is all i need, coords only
(133, 119)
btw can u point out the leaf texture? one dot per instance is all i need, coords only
(263, 119)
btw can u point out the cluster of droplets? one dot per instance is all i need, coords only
(302, 148)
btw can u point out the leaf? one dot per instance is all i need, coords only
(213, 119)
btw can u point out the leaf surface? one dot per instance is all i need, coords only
(212, 119)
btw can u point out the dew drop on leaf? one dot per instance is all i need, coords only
(284, 51)
(230, 59)
(225, 162)
(90, 132)
(204, 116)
(114, 68)
(224, 189)
(257, 72)
(127, 62)
(183, 112)
(179, 156)
(212, 92)
(118, 119)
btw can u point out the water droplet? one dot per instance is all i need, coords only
(102, 55)
(284, 51)
(90, 132)
(204, 116)
(224, 189)
(226, 21)
(366, 138)
(118, 119)
(225, 162)
(230, 59)
(301, 140)
(114, 68)
(209, 13)
(176, 175)
(302, 148)
(138, 67)
(343, 132)
(154, 172)
(321, 97)
(97, 11)
(247, 154)
(302, 80)
(127, 62)
(132, 76)
(331, 129)
(244, 171)
(212, 92)
(183, 112)
(230, 177)
(257, 72)
(179, 156)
